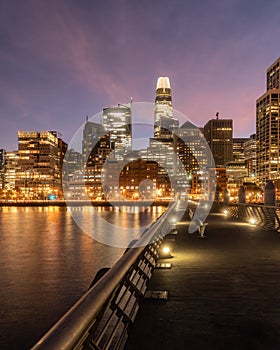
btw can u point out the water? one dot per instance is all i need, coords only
(46, 264)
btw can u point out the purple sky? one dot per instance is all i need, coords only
(63, 60)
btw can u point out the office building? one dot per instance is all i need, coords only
(2, 171)
(91, 136)
(217, 181)
(97, 147)
(250, 156)
(161, 151)
(192, 151)
(161, 147)
(236, 172)
(218, 134)
(73, 163)
(238, 147)
(164, 122)
(11, 171)
(117, 121)
(272, 76)
(139, 180)
(39, 173)
(267, 129)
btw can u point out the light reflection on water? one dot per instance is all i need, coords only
(117, 226)
(47, 263)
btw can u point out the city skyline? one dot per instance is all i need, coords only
(62, 61)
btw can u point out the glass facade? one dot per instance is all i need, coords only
(218, 133)
(267, 136)
(117, 120)
(39, 165)
(164, 122)
(272, 76)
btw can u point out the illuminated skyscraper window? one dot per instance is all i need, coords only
(117, 120)
(164, 122)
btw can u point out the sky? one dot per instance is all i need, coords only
(63, 60)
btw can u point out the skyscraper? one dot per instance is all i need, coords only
(272, 76)
(250, 155)
(96, 149)
(268, 129)
(238, 145)
(218, 133)
(92, 134)
(191, 149)
(161, 147)
(117, 120)
(164, 122)
(2, 172)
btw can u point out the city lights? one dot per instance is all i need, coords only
(38, 169)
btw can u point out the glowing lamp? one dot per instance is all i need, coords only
(165, 252)
(252, 221)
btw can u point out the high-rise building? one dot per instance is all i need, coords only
(238, 146)
(250, 155)
(236, 173)
(268, 129)
(191, 149)
(73, 164)
(39, 164)
(162, 152)
(236, 169)
(96, 150)
(164, 122)
(11, 170)
(91, 136)
(62, 149)
(218, 133)
(217, 178)
(272, 76)
(161, 148)
(117, 121)
(2, 171)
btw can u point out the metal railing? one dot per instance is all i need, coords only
(261, 215)
(102, 317)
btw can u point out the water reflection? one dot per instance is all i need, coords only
(47, 263)
(115, 226)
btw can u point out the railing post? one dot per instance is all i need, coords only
(241, 202)
(269, 194)
(226, 198)
(269, 200)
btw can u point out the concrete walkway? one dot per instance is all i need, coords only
(224, 292)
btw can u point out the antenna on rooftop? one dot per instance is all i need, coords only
(217, 115)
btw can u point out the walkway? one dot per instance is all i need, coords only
(224, 292)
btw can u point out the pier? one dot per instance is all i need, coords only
(223, 291)
(218, 289)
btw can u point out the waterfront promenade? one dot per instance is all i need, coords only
(223, 291)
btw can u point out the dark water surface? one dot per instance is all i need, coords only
(46, 264)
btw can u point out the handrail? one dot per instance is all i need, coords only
(70, 329)
(265, 216)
